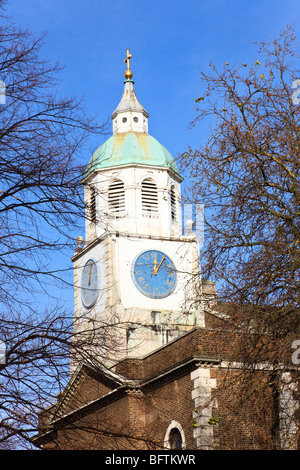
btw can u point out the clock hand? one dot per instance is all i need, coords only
(155, 265)
(156, 270)
(90, 274)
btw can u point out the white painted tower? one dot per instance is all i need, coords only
(137, 280)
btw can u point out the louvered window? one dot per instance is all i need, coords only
(173, 204)
(93, 209)
(116, 197)
(149, 196)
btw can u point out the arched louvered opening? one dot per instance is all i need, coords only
(173, 204)
(149, 196)
(93, 206)
(116, 198)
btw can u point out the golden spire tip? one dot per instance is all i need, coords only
(128, 74)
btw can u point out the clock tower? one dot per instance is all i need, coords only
(146, 372)
(136, 276)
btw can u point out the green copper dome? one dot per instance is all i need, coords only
(131, 148)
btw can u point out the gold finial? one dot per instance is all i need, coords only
(128, 74)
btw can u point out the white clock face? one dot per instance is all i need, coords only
(90, 282)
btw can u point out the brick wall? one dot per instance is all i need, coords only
(198, 381)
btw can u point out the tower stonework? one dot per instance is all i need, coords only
(136, 275)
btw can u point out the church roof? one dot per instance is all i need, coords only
(131, 148)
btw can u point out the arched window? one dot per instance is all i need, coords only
(116, 197)
(174, 437)
(93, 207)
(149, 196)
(173, 204)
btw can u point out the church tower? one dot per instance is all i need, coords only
(137, 279)
(146, 372)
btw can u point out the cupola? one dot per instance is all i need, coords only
(129, 116)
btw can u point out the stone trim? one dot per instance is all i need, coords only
(288, 407)
(174, 425)
(202, 414)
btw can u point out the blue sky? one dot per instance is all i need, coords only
(171, 42)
